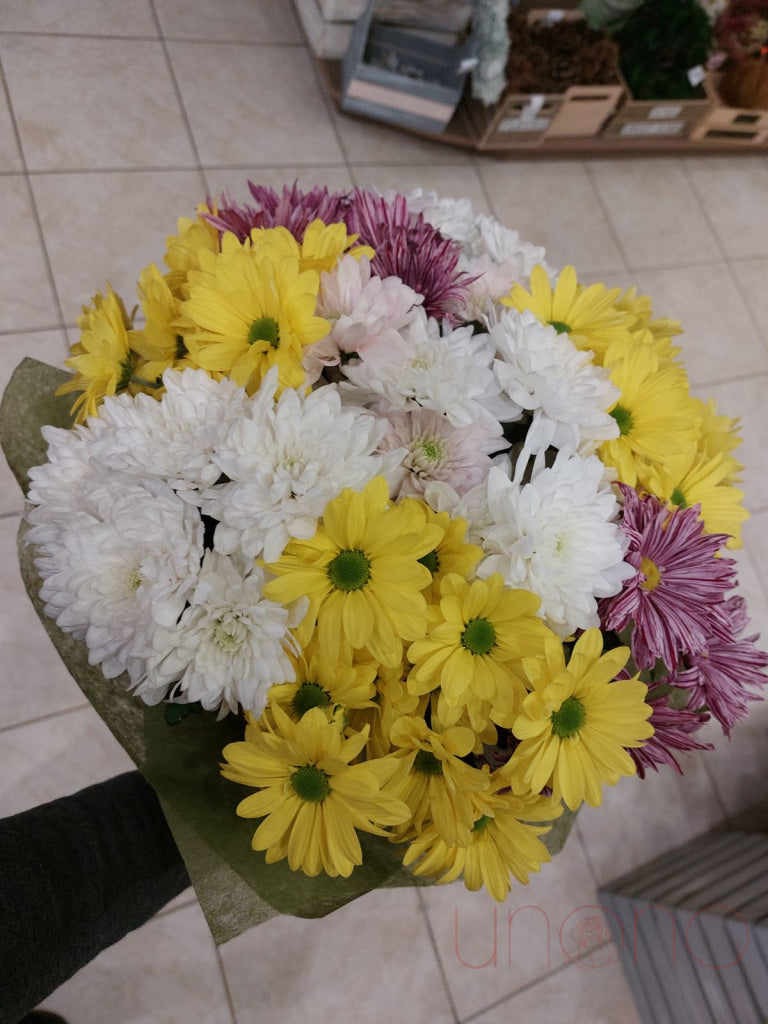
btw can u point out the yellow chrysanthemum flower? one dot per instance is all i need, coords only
(253, 310)
(159, 343)
(334, 687)
(391, 701)
(452, 555)
(436, 784)
(692, 478)
(320, 249)
(101, 359)
(183, 250)
(655, 413)
(312, 799)
(719, 433)
(361, 573)
(640, 308)
(589, 316)
(577, 722)
(503, 843)
(476, 637)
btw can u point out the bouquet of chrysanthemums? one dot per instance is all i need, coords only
(409, 542)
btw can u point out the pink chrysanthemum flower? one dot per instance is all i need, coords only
(293, 210)
(673, 730)
(409, 248)
(676, 596)
(727, 672)
(365, 312)
(436, 450)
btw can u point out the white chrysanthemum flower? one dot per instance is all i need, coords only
(557, 536)
(544, 373)
(113, 581)
(284, 462)
(471, 506)
(365, 312)
(172, 439)
(229, 646)
(505, 246)
(61, 489)
(436, 450)
(453, 218)
(450, 374)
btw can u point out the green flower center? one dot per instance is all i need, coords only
(560, 327)
(181, 348)
(265, 329)
(678, 498)
(479, 636)
(310, 784)
(569, 719)
(426, 763)
(482, 823)
(624, 419)
(309, 695)
(431, 560)
(349, 570)
(431, 451)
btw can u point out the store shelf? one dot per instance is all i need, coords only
(461, 133)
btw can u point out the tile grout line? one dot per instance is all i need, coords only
(225, 983)
(438, 958)
(179, 97)
(713, 786)
(33, 202)
(532, 984)
(328, 104)
(154, 169)
(703, 208)
(44, 718)
(16, 33)
(585, 850)
(615, 235)
(11, 331)
(477, 163)
(761, 335)
(739, 379)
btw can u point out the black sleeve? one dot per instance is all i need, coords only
(76, 875)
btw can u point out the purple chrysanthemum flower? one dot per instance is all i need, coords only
(408, 247)
(675, 599)
(673, 730)
(726, 673)
(293, 210)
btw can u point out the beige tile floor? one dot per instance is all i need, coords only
(116, 117)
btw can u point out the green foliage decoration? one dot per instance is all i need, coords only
(659, 43)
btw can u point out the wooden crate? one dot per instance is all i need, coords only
(528, 119)
(662, 119)
(735, 125)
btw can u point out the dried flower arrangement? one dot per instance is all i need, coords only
(549, 57)
(741, 33)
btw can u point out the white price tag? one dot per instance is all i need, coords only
(524, 124)
(554, 16)
(655, 128)
(664, 112)
(696, 75)
(533, 107)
